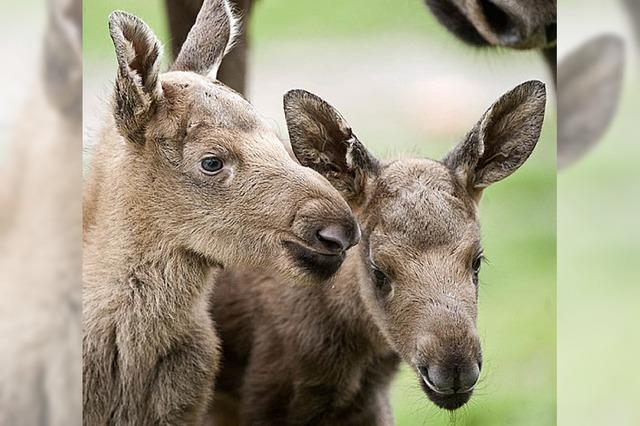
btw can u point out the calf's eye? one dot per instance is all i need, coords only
(211, 165)
(477, 263)
(380, 279)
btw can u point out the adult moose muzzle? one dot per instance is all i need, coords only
(518, 24)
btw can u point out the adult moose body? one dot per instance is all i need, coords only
(325, 355)
(186, 176)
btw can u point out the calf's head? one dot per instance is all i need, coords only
(518, 24)
(211, 175)
(421, 253)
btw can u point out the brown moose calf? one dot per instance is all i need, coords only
(186, 176)
(325, 355)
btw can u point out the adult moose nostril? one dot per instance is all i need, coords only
(336, 238)
(505, 28)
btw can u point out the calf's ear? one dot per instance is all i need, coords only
(138, 86)
(322, 140)
(210, 39)
(502, 140)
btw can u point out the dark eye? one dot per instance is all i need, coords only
(380, 279)
(477, 263)
(211, 165)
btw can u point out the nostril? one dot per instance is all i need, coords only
(500, 22)
(333, 238)
(551, 32)
(424, 372)
(469, 378)
(455, 379)
(438, 380)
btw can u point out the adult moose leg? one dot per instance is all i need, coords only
(182, 16)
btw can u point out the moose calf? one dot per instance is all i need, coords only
(186, 176)
(325, 355)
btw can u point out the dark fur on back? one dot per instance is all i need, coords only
(305, 384)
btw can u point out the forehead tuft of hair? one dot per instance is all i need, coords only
(420, 202)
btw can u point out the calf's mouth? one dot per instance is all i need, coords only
(449, 401)
(319, 264)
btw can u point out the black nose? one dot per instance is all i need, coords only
(336, 238)
(451, 379)
(503, 25)
(513, 30)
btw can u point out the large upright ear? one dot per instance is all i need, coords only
(502, 140)
(138, 86)
(322, 140)
(210, 38)
(590, 83)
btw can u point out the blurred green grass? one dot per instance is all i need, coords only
(517, 313)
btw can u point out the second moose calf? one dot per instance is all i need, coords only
(325, 355)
